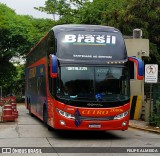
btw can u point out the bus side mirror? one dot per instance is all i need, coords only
(53, 66)
(139, 67)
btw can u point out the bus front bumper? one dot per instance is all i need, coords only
(70, 124)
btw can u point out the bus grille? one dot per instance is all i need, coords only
(96, 118)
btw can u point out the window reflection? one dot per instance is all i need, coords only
(93, 83)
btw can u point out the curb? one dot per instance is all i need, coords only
(145, 129)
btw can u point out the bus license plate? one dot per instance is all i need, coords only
(94, 126)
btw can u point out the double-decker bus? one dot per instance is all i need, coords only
(77, 78)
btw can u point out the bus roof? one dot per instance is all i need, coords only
(83, 27)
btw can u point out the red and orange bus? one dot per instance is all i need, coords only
(77, 78)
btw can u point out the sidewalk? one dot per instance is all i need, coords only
(142, 125)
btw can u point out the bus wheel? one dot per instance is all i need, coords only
(30, 113)
(50, 128)
(44, 115)
(27, 103)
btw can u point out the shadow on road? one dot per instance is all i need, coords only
(89, 135)
(83, 135)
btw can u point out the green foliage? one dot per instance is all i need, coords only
(105, 12)
(40, 28)
(19, 80)
(20, 99)
(17, 35)
(68, 11)
(58, 7)
(155, 120)
(144, 14)
(155, 115)
(7, 74)
(14, 34)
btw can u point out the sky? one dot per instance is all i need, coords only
(25, 7)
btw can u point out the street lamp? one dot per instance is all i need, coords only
(1, 92)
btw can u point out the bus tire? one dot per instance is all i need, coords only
(44, 115)
(30, 113)
(27, 106)
(50, 128)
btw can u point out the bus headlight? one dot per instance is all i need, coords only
(65, 114)
(120, 116)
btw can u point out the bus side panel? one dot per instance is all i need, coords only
(36, 94)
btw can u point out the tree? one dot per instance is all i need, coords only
(17, 35)
(144, 14)
(55, 7)
(13, 42)
(19, 81)
(66, 10)
(7, 74)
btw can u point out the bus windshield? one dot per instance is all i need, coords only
(93, 83)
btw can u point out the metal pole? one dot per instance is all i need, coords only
(151, 108)
(1, 92)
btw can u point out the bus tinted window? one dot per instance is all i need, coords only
(89, 82)
(81, 45)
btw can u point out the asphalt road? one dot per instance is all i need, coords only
(29, 131)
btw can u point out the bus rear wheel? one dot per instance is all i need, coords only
(30, 113)
(50, 128)
(44, 115)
